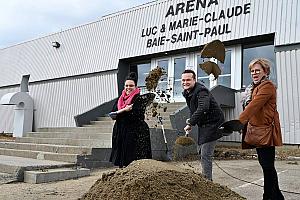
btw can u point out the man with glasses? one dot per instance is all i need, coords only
(204, 112)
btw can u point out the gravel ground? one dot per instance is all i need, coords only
(67, 190)
(233, 159)
(246, 169)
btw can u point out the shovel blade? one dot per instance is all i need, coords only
(230, 126)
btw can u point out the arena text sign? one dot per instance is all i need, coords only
(157, 35)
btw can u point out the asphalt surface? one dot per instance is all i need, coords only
(250, 170)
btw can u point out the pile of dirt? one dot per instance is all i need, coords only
(150, 179)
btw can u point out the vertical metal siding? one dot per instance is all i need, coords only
(57, 102)
(7, 112)
(288, 66)
(98, 46)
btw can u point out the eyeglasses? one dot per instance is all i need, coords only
(129, 85)
(255, 71)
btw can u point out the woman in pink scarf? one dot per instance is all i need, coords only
(131, 135)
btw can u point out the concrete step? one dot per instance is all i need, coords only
(150, 120)
(12, 164)
(72, 129)
(163, 114)
(50, 175)
(96, 143)
(158, 126)
(54, 148)
(154, 125)
(169, 106)
(10, 169)
(70, 135)
(13, 168)
(40, 155)
(7, 178)
(104, 128)
(103, 123)
(104, 119)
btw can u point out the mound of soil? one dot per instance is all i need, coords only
(150, 179)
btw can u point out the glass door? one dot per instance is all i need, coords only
(163, 84)
(171, 83)
(179, 65)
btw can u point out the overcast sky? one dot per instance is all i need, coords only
(23, 20)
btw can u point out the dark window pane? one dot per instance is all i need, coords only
(249, 54)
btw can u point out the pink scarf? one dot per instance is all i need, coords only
(127, 99)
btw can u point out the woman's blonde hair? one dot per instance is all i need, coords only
(265, 64)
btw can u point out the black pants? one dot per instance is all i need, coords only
(266, 158)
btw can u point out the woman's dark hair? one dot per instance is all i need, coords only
(132, 76)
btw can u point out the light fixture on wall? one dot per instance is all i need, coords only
(56, 44)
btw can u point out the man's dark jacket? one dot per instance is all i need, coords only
(205, 112)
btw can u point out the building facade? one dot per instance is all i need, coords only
(92, 60)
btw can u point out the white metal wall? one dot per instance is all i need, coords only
(7, 112)
(288, 71)
(98, 46)
(56, 102)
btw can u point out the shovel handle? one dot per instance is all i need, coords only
(187, 134)
(164, 134)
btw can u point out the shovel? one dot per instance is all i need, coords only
(228, 127)
(184, 147)
(185, 140)
(169, 157)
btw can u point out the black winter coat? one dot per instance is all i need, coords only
(131, 135)
(205, 112)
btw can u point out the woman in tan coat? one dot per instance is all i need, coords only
(263, 126)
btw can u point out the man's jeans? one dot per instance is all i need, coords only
(206, 152)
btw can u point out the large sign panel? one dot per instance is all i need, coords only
(162, 34)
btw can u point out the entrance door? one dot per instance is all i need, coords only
(171, 84)
(179, 64)
(164, 83)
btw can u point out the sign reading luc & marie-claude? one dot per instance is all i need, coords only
(155, 34)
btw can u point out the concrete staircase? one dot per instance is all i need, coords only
(60, 153)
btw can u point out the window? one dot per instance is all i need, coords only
(179, 67)
(143, 71)
(250, 53)
(225, 77)
(201, 75)
(163, 83)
